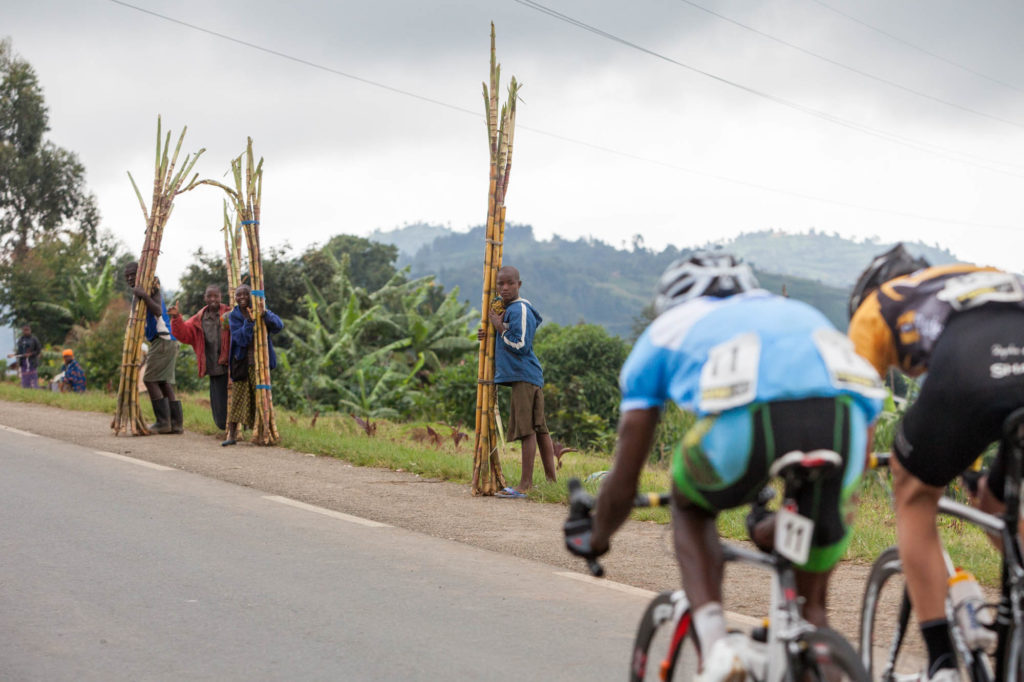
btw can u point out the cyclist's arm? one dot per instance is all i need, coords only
(636, 434)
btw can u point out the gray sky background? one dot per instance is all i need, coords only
(611, 141)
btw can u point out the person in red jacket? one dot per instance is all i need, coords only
(210, 338)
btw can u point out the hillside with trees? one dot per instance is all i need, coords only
(586, 280)
(827, 258)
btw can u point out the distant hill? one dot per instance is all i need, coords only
(586, 280)
(410, 238)
(830, 259)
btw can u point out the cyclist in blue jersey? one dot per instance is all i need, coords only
(765, 375)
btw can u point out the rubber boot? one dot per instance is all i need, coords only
(177, 418)
(162, 410)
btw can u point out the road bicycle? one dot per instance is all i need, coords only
(786, 647)
(886, 609)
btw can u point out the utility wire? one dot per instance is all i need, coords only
(564, 138)
(857, 71)
(956, 155)
(298, 60)
(918, 48)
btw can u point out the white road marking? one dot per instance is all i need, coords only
(132, 460)
(737, 618)
(326, 512)
(610, 584)
(18, 431)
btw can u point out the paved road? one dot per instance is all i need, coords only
(117, 569)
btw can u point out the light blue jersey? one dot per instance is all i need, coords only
(710, 355)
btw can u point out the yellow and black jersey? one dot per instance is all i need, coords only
(897, 325)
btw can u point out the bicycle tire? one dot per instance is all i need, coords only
(883, 648)
(665, 639)
(822, 652)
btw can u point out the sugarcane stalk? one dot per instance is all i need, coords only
(167, 184)
(500, 123)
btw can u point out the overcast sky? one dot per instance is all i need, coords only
(896, 119)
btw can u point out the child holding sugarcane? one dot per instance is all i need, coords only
(160, 359)
(243, 361)
(517, 366)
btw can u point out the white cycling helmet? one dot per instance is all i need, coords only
(705, 274)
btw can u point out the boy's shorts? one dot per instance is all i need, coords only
(527, 413)
(724, 459)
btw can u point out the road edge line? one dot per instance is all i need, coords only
(133, 460)
(646, 594)
(326, 512)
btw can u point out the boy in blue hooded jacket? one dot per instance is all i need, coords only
(516, 366)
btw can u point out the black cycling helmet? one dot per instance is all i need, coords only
(894, 263)
(706, 274)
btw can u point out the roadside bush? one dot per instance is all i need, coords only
(186, 371)
(98, 348)
(450, 395)
(581, 375)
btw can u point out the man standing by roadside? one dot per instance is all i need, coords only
(163, 351)
(211, 340)
(27, 351)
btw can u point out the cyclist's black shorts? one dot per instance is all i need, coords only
(723, 462)
(975, 380)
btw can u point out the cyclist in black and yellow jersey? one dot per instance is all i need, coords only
(964, 326)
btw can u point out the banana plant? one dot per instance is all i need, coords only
(389, 389)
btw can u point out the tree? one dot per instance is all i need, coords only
(42, 186)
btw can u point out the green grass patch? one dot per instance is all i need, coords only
(406, 447)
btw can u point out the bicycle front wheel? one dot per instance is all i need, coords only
(825, 655)
(890, 643)
(665, 644)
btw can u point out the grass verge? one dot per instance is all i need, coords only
(407, 447)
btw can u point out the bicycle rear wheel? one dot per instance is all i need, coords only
(890, 643)
(825, 655)
(665, 644)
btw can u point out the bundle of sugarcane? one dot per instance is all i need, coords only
(487, 476)
(232, 263)
(168, 182)
(232, 251)
(246, 197)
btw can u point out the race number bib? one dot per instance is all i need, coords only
(793, 535)
(846, 370)
(969, 291)
(729, 377)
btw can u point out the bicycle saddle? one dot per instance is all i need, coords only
(799, 462)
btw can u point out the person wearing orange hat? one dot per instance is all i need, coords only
(74, 375)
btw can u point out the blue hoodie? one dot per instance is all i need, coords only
(514, 359)
(242, 329)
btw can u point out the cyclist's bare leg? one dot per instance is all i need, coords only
(813, 587)
(987, 502)
(917, 505)
(698, 551)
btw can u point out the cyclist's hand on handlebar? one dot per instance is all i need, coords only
(579, 526)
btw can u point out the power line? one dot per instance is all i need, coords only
(768, 188)
(298, 60)
(955, 155)
(563, 138)
(852, 69)
(918, 48)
